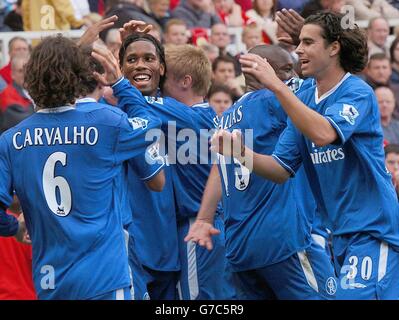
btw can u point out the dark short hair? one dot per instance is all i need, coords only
(12, 40)
(219, 87)
(392, 49)
(391, 148)
(354, 51)
(377, 56)
(220, 59)
(139, 36)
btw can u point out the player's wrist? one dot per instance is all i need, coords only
(204, 220)
(119, 80)
(278, 86)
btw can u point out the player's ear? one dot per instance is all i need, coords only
(187, 81)
(162, 69)
(335, 48)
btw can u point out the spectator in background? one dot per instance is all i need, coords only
(377, 32)
(15, 104)
(223, 72)
(220, 37)
(16, 281)
(156, 32)
(196, 13)
(159, 11)
(386, 104)
(126, 10)
(378, 70)
(263, 14)
(113, 41)
(16, 46)
(97, 6)
(392, 163)
(315, 6)
(82, 11)
(176, 32)
(230, 13)
(251, 36)
(14, 18)
(45, 15)
(369, 9)
(378, 73)
(244, 4)
(220, 98)
(211, 51)
(394, 52)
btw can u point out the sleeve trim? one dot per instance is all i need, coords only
(118, 81)
(336, 127)
(284, 165)
(155, 172)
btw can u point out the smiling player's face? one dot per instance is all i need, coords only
(141, 65)
(314, 54)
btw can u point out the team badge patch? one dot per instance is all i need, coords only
(331, 286)
(349, 113)
(153, 100)
(138, 123)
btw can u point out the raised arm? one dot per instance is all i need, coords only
(202, 230)
(231, 145)
(313, 125)
(291, 22)
(92, 33)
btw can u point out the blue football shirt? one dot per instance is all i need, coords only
(64, 165)
(264, 223)
(188, 130)
(351, 185)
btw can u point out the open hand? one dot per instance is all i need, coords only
(92, 33)
(201, 232)
(134, 26)
(260, 68)
(291, 22)
(110, 64)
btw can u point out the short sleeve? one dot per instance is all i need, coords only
(130, 99)
(351, 113)
(135, 136)
(147, 165)
(287, 151)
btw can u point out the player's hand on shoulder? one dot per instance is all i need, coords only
(201, 232)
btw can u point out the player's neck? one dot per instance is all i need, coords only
(96, 94)
(191, 100)
(329, 80)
